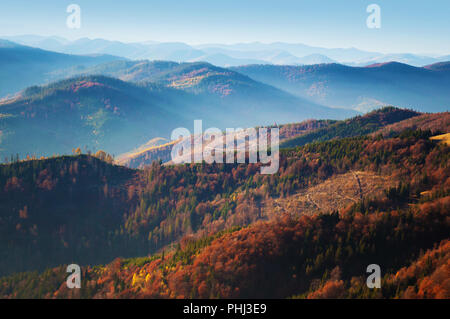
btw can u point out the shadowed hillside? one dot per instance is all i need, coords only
(31, 66)
(90, 112)
(62, 209)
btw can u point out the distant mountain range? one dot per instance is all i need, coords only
(224, 55)
(22, 66)
(326, 83)
(112, 103)
(361, 88)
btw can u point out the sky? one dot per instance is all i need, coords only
(411, 26)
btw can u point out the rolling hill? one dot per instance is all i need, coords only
(229, 90)
(357, 126)
(97, 112)
(435, 122)
(72, 203)
(23, 66)
(89, 112)
(222, 235)
(388, 119)
(205, 78)
(361, 88)
(149, 152)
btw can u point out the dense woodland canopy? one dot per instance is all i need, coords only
(206, 234)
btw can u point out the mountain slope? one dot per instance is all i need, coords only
(435, 122)
(93, 112)
(235, 54)
(198, 207)
(31, 66)
(359, 125)
(361, 88)
(440, 66)
(406, 58)
(146, 154)
(116, 116)
(236, 91)
(72, 204)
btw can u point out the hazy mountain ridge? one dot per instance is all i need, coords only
(360, 88)
(22, 66)
(98, 112)
(223, 55)
(93, 112)
(333, 85)
(101, 112)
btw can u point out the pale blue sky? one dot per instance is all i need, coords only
(407, 25)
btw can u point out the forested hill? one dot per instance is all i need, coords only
(91, 112)
(397, 187)
(61, 209)
(147, 153)
(356, 126)
(435, 122)
(100, 112)
(297, 134)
